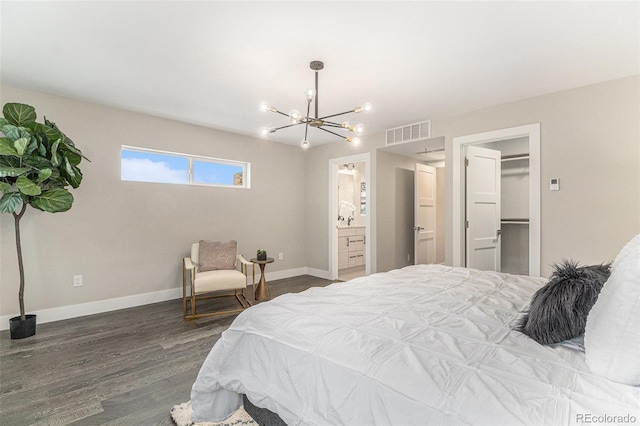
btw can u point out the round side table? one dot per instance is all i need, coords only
(261, 292)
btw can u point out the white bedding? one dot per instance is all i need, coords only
(426, 344)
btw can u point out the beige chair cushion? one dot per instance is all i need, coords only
(219, 280)
(216, 255)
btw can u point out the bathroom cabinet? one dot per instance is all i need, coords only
(351, 246)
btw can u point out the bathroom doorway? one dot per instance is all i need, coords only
(349, 217)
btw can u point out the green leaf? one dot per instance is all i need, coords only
(42, 149)
(27, 187)
(53, 200)
(68, 143)
(5, 187)
(55, 158)
(44, 175)
(14, 133)
(73, 157)
(19, 114)
(21, 145)
(7, 147)
(10, 161)
(72, 173)
(13, 171)
(36, 162)
(32, 147)
(48, 132)
(10, 202)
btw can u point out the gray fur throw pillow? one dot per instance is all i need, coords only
(558, 311)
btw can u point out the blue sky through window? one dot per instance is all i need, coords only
(216, 173)
(150, 166)
(154, 167)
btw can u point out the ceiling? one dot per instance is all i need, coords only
(211, 63)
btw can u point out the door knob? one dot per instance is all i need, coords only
(418, 228)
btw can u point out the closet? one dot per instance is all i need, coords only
(514, 203)
(515, 214)
(487, 236)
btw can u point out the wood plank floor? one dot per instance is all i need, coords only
(127, 367)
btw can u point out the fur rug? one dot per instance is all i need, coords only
(181, 415)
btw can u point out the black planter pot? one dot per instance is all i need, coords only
(21, 329)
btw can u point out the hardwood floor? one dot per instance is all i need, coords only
(127, 367)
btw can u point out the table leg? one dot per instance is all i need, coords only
(262, 291)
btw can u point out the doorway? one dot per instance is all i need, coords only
(349, 217)
(460, 191)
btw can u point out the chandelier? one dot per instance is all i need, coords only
(296, 118)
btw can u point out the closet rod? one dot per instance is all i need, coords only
(515, 157)
(515, 221)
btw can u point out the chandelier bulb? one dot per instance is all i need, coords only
(358, 129)
(295, 116)
(353, 139)
(345, 125)
(264, 107)
(310, 94)
(304, 144)
(365, 107)
(264, 132)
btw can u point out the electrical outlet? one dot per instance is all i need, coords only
(77, 280)
(280, 256)
(408, 257)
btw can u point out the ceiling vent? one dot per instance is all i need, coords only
(409, 133)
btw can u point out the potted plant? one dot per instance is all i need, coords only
(261, 255)
(37, 163)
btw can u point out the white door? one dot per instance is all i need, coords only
(483, 208)
(425, 215)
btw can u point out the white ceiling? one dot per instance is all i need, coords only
(212, 62)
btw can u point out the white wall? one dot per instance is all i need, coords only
(128, 238)
(590, 139)
(395, 218)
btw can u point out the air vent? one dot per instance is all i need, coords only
(409, 133)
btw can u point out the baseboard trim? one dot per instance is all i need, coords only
(97, 307)
(320, 273)
(100, 306)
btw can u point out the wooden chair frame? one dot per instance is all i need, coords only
(189, 269)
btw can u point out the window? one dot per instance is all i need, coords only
(147, 165)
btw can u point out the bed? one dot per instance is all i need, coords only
(426, 344)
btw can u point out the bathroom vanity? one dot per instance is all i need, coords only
(351, 246)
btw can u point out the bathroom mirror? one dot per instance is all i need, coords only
(352, 194)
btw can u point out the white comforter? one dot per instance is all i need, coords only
(416, 346)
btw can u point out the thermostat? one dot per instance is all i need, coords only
(554, 184)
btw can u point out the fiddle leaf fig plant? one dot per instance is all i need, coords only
(37, 164)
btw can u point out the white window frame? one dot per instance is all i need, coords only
(245, 165)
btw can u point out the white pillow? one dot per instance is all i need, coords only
(612, 332)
